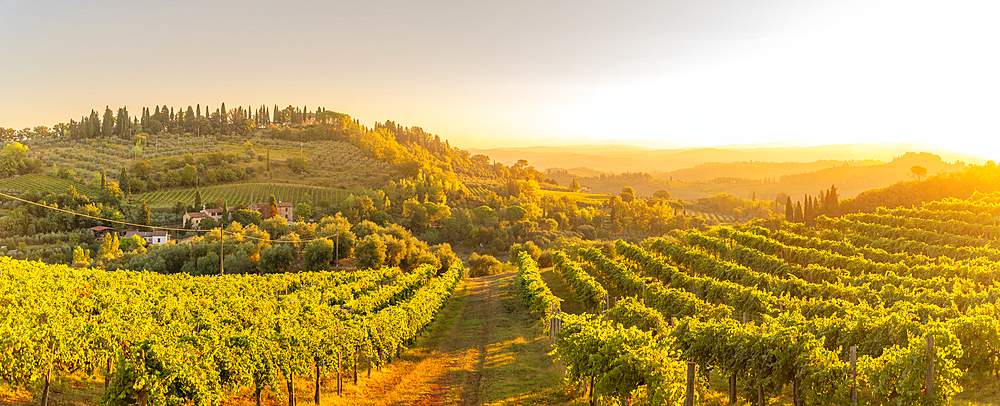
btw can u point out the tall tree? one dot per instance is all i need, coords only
(197, 200)
(789, 210)
(144, 215)
(574, 185)
(832, 206)
(104, 179)
(807, 210)
(123, 181)
(108, 126)
(225, 214)
(798, 212)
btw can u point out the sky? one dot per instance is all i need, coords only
(519, 73)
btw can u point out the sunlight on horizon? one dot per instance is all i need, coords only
(685, 73)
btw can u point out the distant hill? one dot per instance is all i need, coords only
(850, 179)
(628, 158)
(961, 184)
(743, 179)
(755, 170)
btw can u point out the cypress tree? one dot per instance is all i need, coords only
(807, 210)
(123, 180)
(197, 201)
(798, 212)
(108, 125)
(789, 210)
(144, 215)
(104, 180)
(832, 206)
(225, 214)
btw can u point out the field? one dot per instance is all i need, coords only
(187, 351)
(782, 313)
(43, 183)
(584, 199)
(775, 315)
(720, 218)
(243, 193)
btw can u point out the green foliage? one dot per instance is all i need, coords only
(318, 254)
(298, 165)
(370, 252)
(529, 247)
(484, 265)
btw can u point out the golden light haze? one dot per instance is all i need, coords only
(526, 73)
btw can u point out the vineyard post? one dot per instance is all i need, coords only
(732, 388)
(929, 384)
(689, 393)
(316, 394)
(48, 377)
(357, 358)
(222, 251)
(593, 399)
(291, 389)
(340, 375)
(760, 395)
(795, 391)
(854, 375)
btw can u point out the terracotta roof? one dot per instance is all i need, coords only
(101, 228)
(197, 214)
(213, 210)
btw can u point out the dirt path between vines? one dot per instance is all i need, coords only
(484, 348)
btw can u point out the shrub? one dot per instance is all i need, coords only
(483, 265)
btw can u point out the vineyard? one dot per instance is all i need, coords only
(176, 339)
(243, 193)
(896, 307)
(43, 183)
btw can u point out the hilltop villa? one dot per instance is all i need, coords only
(285, 210)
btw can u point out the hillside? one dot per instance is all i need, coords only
(627, 158)
(755, 170)
(741, 178)
(961, 185)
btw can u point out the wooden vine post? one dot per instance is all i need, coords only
(689, 392)
(854, 375)
(929, 384)
(732, 388)
(340, 374)
(316, 393)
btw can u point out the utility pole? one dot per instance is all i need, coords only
(222, 252)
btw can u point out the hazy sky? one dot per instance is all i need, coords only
(513, 73)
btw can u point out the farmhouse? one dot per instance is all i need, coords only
(151, 237)
(285, 210)
(192, 220)
(100, 231)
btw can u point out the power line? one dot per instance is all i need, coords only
(222, 230)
